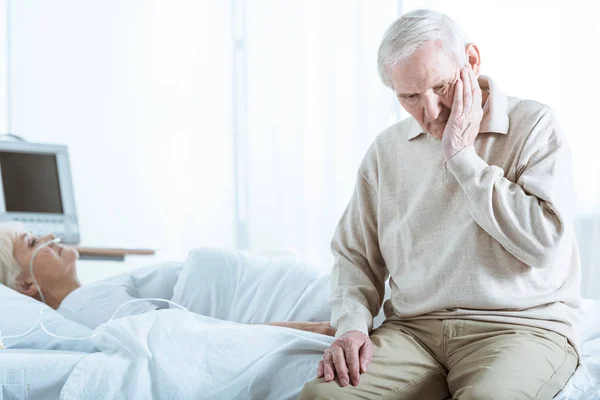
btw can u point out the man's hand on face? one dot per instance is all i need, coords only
(348, 356)
(465, 116)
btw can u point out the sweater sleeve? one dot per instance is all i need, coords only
(359, 272)
(529, 217)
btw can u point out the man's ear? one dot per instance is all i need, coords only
(473, 57)
(24, 285)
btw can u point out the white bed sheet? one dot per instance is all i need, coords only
(179, 355)
(176, 355)
(585, 382)
(47, 370)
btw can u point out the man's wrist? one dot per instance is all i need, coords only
(355, 331)
(448, 155)
(351, 324)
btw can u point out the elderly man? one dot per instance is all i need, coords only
(467, 208)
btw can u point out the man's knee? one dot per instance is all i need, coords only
(318, 389)
(313, 390)
(488, 392)
(430, 386)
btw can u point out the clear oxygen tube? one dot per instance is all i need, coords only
(35, 253)
(39, 321)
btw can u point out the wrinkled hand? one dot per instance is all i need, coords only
(348, 356)
(465, 116)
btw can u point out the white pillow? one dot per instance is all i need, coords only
(249, 288)
(19, 313)
(155, 281)
(95, 303)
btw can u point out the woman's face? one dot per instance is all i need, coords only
(53, 264)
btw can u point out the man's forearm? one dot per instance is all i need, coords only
(323, 328)
(527, 226)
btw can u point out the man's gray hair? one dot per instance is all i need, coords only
(408, 33)
(9, 267)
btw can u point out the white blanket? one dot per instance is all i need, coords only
(173, 354)
(250, 288)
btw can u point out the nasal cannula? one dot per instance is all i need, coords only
(39, 320)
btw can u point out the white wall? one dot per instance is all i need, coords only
(315, 106)
(140, 91)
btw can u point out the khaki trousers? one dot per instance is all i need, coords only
(458, 359)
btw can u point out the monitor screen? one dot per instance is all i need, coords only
(30, 182)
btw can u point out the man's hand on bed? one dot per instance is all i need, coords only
(324, 328)
(348, 356)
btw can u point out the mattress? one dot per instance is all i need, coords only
(585, 382)
(49, 370)
(46, 371)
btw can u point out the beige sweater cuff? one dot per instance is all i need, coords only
(351, 322)
(465, 165)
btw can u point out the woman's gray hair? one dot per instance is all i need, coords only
(408, 33)
(9, 267)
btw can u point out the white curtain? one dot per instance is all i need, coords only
(315, 104)
(141, 93)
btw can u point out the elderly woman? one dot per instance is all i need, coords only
(47, 271)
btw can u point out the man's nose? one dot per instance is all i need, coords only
(432, 106)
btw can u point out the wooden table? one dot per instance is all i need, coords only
(112, 254)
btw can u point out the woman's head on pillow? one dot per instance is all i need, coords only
(9, 266)
(54, 266)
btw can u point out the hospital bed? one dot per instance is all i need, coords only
(71, 369)
(41, 373)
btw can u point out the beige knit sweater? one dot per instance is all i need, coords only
(488, 237)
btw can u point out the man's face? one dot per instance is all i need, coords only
(424, 85)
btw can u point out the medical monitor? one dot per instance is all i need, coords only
(36, 189)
